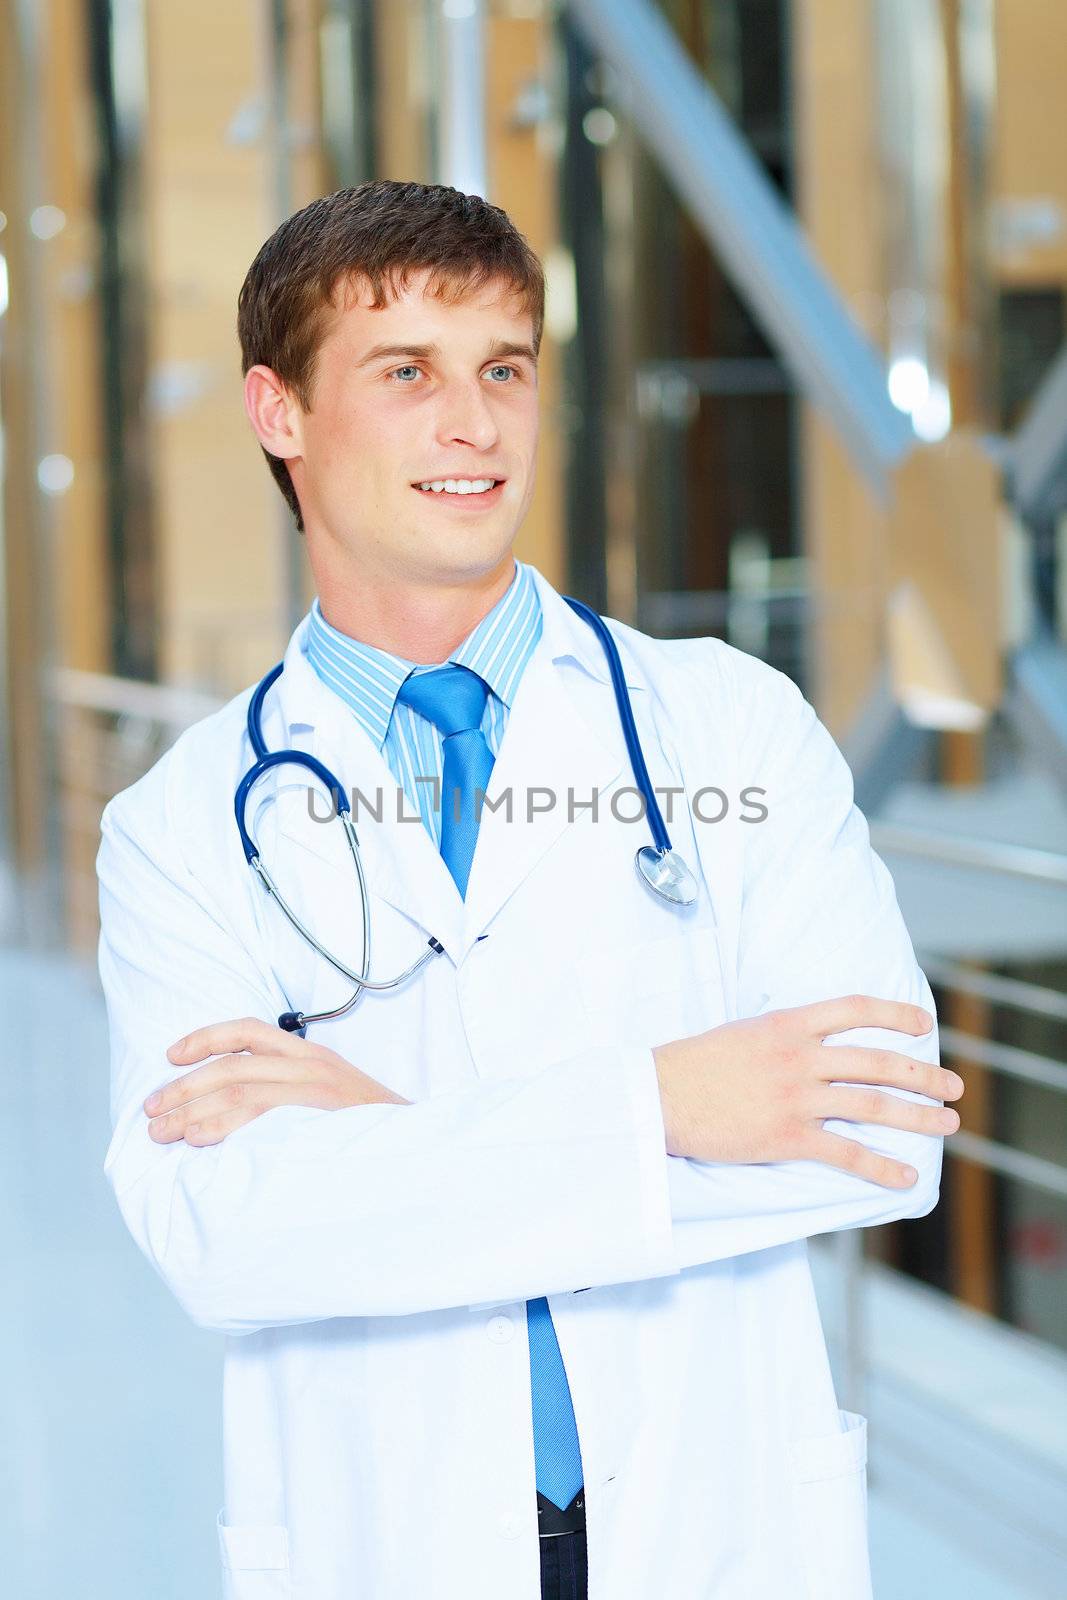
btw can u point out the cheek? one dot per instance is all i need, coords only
(350, 446)
(530, 426)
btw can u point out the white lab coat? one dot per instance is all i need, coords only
(370, 1266)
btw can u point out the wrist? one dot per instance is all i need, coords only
(665, 1057)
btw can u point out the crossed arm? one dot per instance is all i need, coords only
(349, 1201)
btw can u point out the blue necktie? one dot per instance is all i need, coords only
(453, 698)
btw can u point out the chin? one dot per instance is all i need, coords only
(473, 555)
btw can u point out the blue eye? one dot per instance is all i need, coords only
(411, 367)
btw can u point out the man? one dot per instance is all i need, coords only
(511, 1256)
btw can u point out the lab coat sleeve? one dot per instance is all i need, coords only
(818, 919)
(495, 1192)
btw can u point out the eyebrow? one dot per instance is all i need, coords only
(430, 352)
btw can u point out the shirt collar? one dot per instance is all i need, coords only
(368, 679)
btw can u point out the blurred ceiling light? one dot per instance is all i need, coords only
(932, 418)
(176, 386)
(458, 8)
(561, 295)
(248, 122)
(3, 285)
(599, 126)
(533, 105)
(3, 222)
(909, 383)
(926, 709)
(1018, 224)
(47, 221)
(55, 474)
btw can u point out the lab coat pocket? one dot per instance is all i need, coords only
(828, 1487)
(255, 1560)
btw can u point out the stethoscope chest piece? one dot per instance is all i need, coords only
(666, 873)
(661, 867)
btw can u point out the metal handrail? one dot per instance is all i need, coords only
(660, 609)
(172, 707)
(1018, 860)
(1007, 1059)
(1014, 1063)
(1011, 1163)
(1031, 997)
(1025, 861)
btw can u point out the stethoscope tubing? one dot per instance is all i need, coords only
(626, 716)
(660, 862)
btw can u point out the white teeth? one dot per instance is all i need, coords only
(459, 485)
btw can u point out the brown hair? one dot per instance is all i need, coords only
(378, 233)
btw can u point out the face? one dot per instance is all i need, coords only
(418, 392)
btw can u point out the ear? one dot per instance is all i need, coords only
(273, 412)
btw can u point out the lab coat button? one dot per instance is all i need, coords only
(510, 1526)
(500, 1329)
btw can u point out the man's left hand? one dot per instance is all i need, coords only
(255, 1067)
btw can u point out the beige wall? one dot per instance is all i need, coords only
(54, 574)
(840, 207)
(844, 205)
(1030, 166)
(522, 179)
(221, 525)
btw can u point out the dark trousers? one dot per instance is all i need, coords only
(564, 1571)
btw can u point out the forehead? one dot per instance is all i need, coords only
(411, 311)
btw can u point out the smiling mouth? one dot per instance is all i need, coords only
(469, 498)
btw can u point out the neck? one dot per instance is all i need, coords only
(421, 622)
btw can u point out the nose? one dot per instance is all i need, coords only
(467, 417)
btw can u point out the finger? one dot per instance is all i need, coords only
(865, 1011)
(858, 1064)
(851, 1156)
(870, 1105)
(220, 1072)
(209, 1118)
(245, 1033)
(171, 1126)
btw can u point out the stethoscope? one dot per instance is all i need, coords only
(659, 864)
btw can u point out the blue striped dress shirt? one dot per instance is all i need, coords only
(367, 680)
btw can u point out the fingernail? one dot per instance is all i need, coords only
(154, 1100)
(179, 1045)
(911, 1174)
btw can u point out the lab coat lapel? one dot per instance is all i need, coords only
(551, 743)
(400, 861)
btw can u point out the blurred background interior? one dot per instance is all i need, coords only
(804, 387)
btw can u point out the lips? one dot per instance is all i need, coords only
(473, 502)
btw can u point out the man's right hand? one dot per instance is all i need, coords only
(759, 1089)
